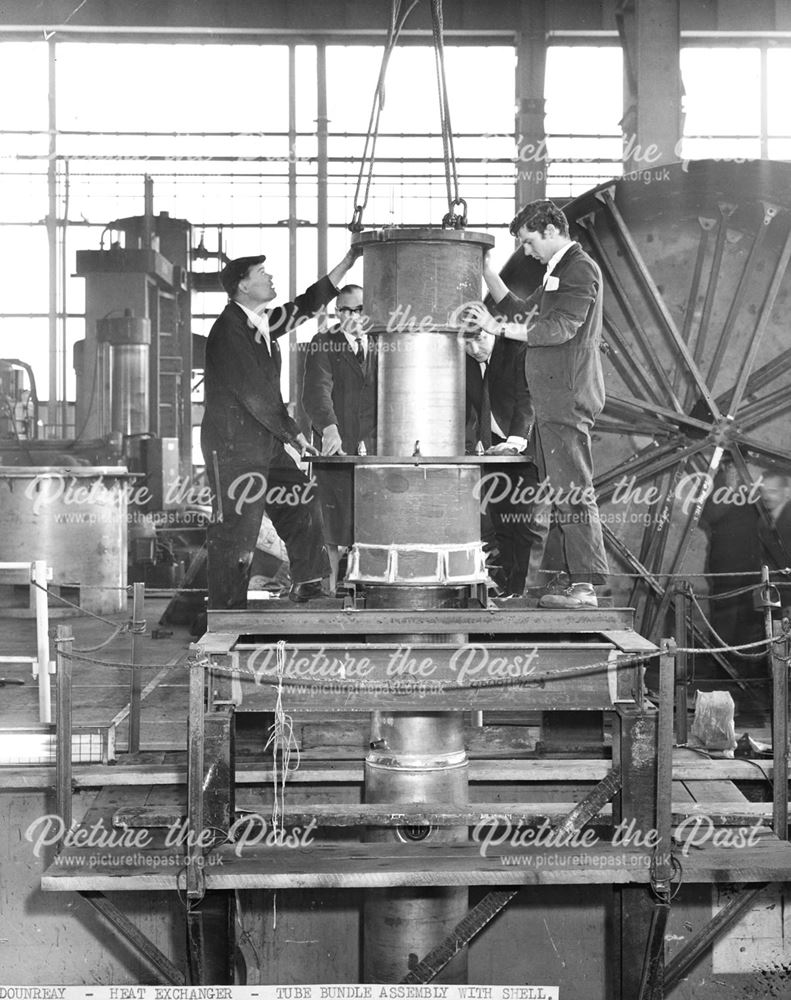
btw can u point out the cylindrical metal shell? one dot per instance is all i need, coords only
(130, 389)
(76, 520)
(419, 279)
(417, 524)
(130, 337)
(408, 503)
(414, 758)
(416, 283)
(421, 394)
(402, 925)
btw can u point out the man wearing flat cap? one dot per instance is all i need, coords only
(245, 429)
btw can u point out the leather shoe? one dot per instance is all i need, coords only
(578, 595)
(300, 593)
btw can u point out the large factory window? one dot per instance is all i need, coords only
(224, 160)
(409, 183)
(584, 142)
(722, 103)
(778, 112)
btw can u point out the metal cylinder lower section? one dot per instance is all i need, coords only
(414, 758)
(402, 925)
(417, 525)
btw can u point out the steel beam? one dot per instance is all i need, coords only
(488, 908)
(167, 971)
(689, 956)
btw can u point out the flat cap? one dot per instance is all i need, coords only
(235, 270)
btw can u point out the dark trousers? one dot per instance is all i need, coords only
(243, 494)
(508, 521)
(563, 455)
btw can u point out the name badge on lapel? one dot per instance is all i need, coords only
(552, 284)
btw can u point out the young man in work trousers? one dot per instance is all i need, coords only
(561, 326)
(245, 428)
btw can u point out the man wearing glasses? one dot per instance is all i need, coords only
(245, 429)
(339, 397)
(339, 385)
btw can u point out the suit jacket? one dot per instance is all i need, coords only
(563, 357)
(509, 396)
(337, 389)
(245, 419)
(777, 543)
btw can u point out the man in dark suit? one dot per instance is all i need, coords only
(776, 494)
(339, 384)
(244, 432)
(499, 421)
(339, 397)
(560, 323)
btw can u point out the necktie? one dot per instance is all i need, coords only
(485, 428)
(359, 351)
(262, 330)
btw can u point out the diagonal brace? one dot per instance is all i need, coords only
(134, 936)
(491, 904)
(686, 959)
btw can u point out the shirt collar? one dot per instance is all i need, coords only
(351, 340)
(259, 322)
(555, 258)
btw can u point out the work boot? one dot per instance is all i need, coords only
(578, 595)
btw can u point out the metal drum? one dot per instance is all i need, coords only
(416, 284)
(417, 525)
(76, 520)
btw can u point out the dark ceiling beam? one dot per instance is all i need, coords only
(469, 19)
(466, 21)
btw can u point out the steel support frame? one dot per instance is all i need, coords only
(637, 753)
(715, 435)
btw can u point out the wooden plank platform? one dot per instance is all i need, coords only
(514, 617)
(163, 811)
(128, 772)
(388, 865)
(530, 675)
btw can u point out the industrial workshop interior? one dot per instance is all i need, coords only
(395, 499)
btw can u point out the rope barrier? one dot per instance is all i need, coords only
(71, 604)
(77, 655)
(579, 670)
(784, 571)
(713, 631)
(106, 642)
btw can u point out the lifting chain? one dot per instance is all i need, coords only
(456, 216)
(452, 220)
(397, 21)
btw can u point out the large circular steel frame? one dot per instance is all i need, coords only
(697, 336)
